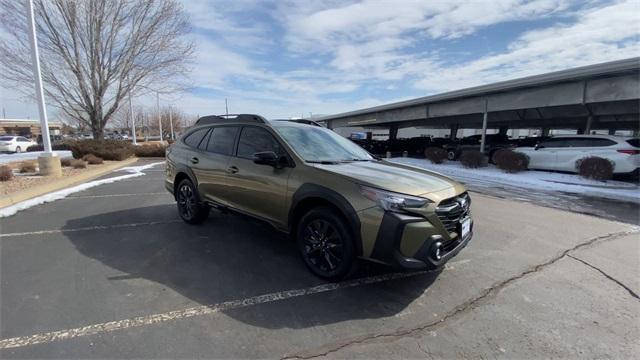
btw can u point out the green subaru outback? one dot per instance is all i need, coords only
(336, 200)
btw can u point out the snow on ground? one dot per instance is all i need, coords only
(133, 171)
(534, 180)
(7, 158)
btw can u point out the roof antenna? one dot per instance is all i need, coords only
(226, 106)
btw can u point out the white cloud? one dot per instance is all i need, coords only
(598, 35)
(347, 49)
(367, 36)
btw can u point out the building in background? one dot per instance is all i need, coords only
(27, 127)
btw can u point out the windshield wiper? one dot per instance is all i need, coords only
(324, 162)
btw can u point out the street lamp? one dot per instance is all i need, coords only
(157, 107)
(133, 122)
(159, 115)
(171, 122)
(48, 162)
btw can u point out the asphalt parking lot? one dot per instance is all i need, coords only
(111, 272)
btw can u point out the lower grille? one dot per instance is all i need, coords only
(451, 211)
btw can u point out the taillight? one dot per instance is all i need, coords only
(629, 152)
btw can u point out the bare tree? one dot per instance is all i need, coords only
(146, 119)
(95, 52)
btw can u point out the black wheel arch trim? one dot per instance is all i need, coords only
(310, 191)
(181, 169)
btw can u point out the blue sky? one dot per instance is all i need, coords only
(287, 58)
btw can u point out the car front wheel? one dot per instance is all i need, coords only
(326, 244)
(451, 155)
(190, 208)
(18, 149)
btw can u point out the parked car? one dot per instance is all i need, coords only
(15, 144)
(55, 139)
(562, 153)
(338, 202)
(493, 142)
(530, 141)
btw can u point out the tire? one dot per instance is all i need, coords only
(190, 208)
(451, 155)
(326, 244)
(18, 149)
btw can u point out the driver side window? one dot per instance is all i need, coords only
(254, 140)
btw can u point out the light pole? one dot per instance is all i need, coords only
(159, 115)
(133, 122)
(171, 122)
(48, 162)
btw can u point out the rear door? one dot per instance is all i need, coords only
(210, 164)
(581, 147)
(259, 190)
(23, 142)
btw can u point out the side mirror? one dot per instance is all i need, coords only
(267, 158)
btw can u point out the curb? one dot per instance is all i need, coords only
(613, 187)
(59, 184)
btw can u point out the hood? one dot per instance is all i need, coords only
(391, 176)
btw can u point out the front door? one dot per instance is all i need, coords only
(544, 155)
(259, 189)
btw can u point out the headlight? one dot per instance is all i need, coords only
(391, 201)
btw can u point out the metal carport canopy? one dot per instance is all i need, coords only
(605, 95)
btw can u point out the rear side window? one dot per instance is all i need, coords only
(195, 137)
(254, 140)
(222, 139)
(601, 142)
(634, 142)
(555, 143)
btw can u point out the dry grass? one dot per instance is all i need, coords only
(78, 164)
(6, 173)
(92, 159)
(27, 167)
(23, 182)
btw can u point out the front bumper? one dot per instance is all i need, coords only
(396, 230)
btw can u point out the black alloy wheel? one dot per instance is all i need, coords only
(189, 206)
(326, 244)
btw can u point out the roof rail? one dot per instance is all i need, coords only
(301, 121)
(231, 118)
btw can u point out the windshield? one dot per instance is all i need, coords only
(317, 144)
(6, 138)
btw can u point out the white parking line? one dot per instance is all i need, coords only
(114, 195)
(88, 228)
(191, 312)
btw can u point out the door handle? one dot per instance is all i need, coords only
(194, 160)
(232, 169)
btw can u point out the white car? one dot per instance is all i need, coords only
(562, 153)
(15, 144)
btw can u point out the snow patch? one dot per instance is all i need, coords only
(133, 171)
(7, 158)
(530, 180)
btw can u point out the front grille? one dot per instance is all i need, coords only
(451, 211)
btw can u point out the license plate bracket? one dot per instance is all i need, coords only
(465, 227)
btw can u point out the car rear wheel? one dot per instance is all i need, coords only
(451, 155)
(18, 149)
(190, 208)
(326, 244)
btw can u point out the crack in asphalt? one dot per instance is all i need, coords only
(620, 283)
(469, 304)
